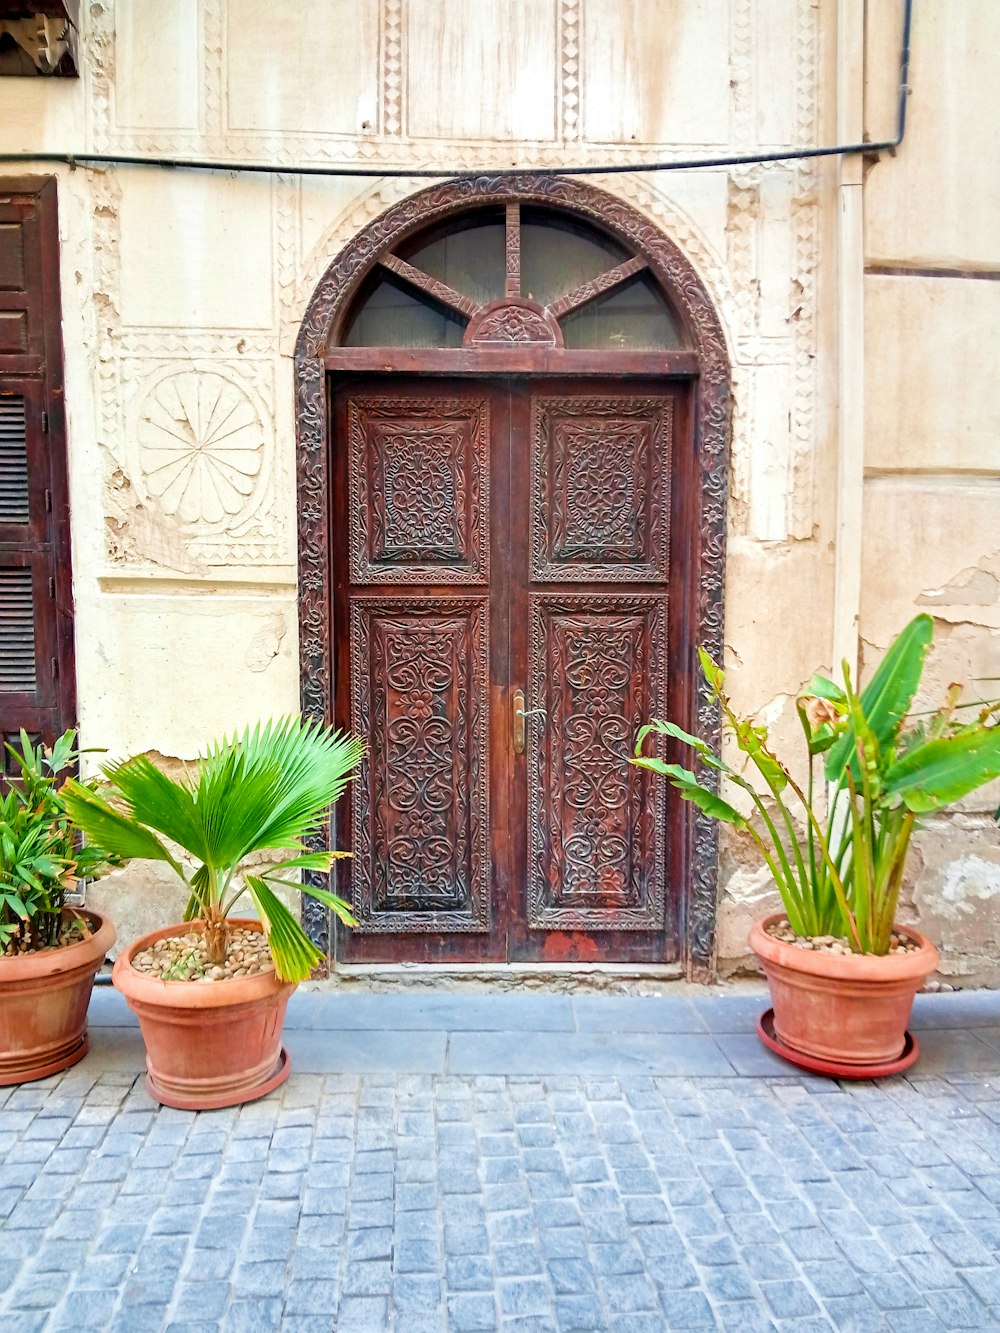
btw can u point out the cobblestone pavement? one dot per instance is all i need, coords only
(621, 1200)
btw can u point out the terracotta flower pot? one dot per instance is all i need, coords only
(849, 1009)
(43, 1005)
(208, 1044)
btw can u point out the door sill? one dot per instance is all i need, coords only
(566, 976)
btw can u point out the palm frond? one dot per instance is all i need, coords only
(293, 951)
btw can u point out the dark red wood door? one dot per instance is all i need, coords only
(502, 564)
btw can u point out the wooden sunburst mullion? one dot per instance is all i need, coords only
(437, 291)
(512, 249)
(589, 291)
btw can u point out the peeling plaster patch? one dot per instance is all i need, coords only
(266, 643)
(972, 587)
(966, 884)
(138, 533)
(773, 710)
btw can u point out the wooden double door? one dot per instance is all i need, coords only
(502, 578)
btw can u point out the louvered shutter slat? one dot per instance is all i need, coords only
(17, 641)
(13, 461)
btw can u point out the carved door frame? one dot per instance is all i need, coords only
(702, 614)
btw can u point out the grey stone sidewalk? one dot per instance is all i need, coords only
(519, 1162)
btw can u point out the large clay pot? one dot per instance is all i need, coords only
(43, 1005)
(843, 1009)
(208, 1044)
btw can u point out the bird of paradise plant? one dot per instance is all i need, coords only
(840, 872)
(265, 791)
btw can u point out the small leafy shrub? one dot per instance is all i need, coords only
(42, 855)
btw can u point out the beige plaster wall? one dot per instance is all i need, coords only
(932, 429)
(183, 292)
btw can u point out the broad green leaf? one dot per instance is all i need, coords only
(661, 728)
(886, 698)
(293, 951)
(691, 790)
(752, 740)
(821, 687)
(714, 675)
(946, 769)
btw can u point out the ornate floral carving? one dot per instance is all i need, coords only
(419, 489)
(596, 835)
(420, 694)
(600, 488)
(513, 322)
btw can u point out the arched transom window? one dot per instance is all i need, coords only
(513, 274)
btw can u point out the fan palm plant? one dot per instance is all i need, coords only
(268, 790)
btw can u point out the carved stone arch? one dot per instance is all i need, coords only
(692, 303)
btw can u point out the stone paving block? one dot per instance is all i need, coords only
(253, 1316)
(83, 1308)
(915, 1321)
(636, 1013)
(687, 1309)
(742, 1317)
(358, 1052)
(628, 1293)
(470, 1313)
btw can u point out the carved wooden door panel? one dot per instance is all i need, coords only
(503, 544)
(592, 570)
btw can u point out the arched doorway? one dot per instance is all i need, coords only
(512, 422)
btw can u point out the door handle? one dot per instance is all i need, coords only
(520, 713)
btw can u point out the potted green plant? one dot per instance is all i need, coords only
(842, 974)
(49, 952)
(211, 994)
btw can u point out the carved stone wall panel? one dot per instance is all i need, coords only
(420, 803)
(597, 852)
(569, 58)
(600, 489)
(419, 490)
(806, 227)
(195, 485)
(391, 81)
(496, 61)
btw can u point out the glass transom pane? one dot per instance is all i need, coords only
(392, 317)
(634, 317)
(558, 255)
(472, 261)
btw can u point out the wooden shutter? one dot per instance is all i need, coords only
(36, 638)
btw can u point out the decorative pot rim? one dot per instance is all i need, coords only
(64, 958)
(854, 967)
(177, 994)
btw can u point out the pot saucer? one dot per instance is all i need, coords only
(196, 1103)
(831, 1068)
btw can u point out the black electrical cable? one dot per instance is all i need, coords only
(436, 173)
